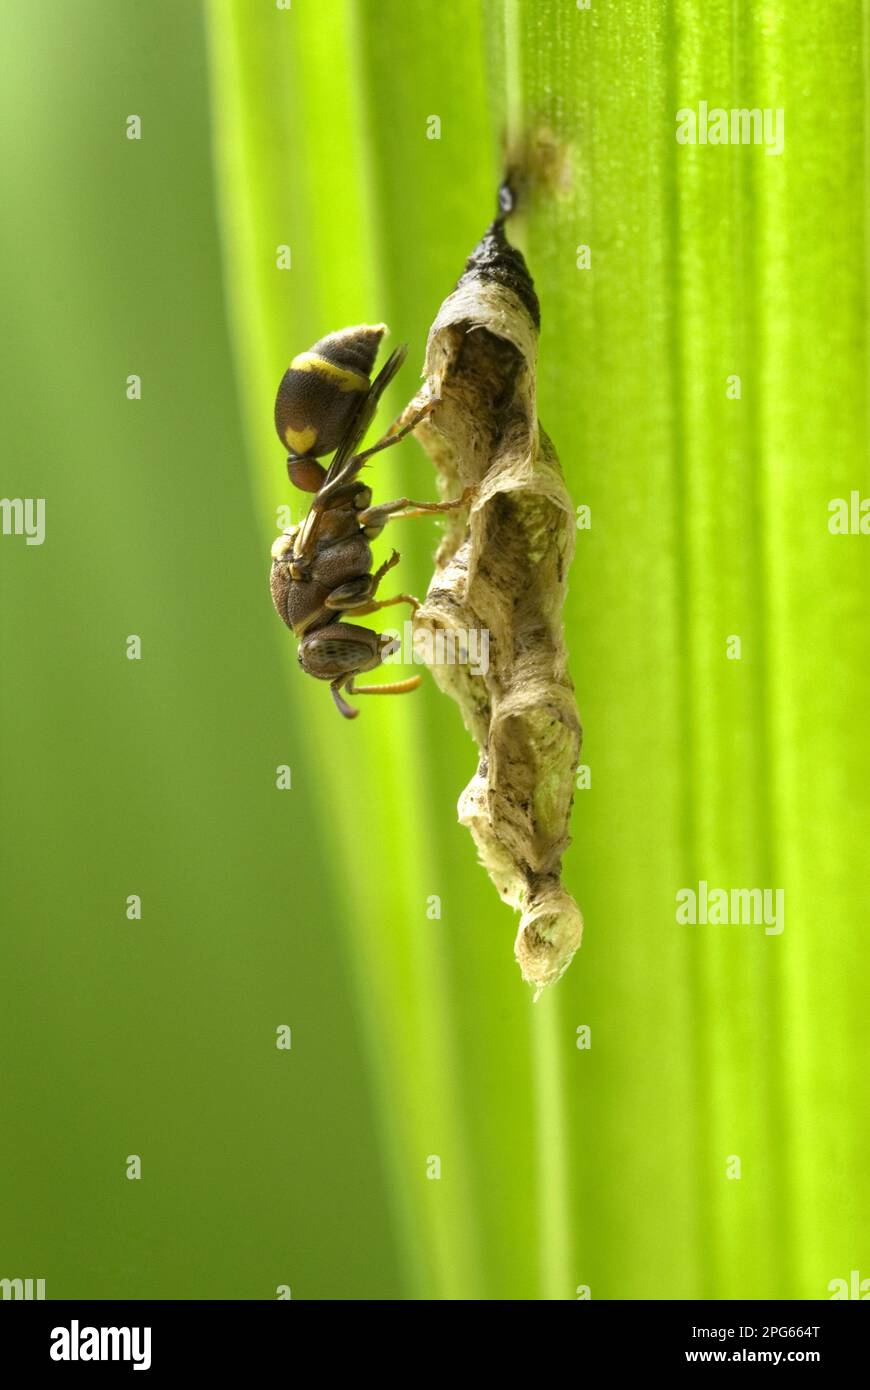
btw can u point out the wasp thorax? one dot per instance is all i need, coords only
(321, 391)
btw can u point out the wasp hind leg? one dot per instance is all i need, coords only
(377, 604)
(374, 519)
(396, 432)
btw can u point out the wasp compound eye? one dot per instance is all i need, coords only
(306, 474)
(338, 650)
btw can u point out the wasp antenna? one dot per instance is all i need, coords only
(395, 688)
(341, 704)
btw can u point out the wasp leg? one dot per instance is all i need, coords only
(383, 569)
(395, 433)
(358, 601)
(384, 603)
(356, 594)
(349, 595)
(345, 484)
(342, 705)
(374, 519)
(419, 414)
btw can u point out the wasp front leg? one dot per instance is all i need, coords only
(357, 596)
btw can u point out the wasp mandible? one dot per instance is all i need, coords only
(322, 568)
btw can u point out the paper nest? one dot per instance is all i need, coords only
(502, 566)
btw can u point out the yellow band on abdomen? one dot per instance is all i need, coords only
(345, 378)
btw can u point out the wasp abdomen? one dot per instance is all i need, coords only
(323, 388)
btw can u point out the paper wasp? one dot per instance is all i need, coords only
(322, 568)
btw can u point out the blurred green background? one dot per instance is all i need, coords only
(561, 1169)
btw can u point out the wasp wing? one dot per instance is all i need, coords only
(355, 433)
(344, 466)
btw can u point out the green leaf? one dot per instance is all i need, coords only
(603, 1167)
